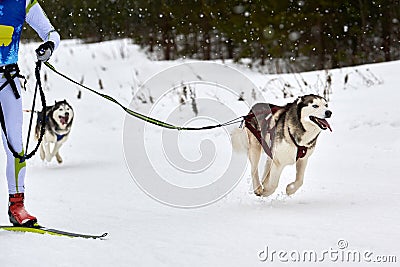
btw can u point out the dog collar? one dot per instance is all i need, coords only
(301, 150)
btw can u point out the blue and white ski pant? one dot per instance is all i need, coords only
(13, 117)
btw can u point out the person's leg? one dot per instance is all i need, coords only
(12, 110)
(15, 170)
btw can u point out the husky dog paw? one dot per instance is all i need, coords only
(292, 188)
(59, 158)
(48, 157)
(268, 192)
(258, 191)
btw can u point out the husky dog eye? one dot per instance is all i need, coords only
(315, 106)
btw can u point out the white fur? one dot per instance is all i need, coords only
(240, 141)
(47, 152)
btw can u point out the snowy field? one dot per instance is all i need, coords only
(349, 195)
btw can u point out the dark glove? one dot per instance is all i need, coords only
(44, 51)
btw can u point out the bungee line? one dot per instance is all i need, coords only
(24, 155)
(139, 115)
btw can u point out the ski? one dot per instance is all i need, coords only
(38, 229)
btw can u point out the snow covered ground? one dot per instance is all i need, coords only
(349, 196)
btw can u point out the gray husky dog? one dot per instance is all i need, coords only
(58, 121)
(287, 134)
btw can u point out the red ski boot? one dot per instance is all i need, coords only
(17, 213)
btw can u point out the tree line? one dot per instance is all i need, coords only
(309, 34)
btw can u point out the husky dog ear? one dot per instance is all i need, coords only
(300, 105)
(299, 99)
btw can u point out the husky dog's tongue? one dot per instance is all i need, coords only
(63, 119)
(322, 123)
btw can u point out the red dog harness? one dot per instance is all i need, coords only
(263, 119)
(301, 150)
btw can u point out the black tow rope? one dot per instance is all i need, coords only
(25, 155)
(141, 116)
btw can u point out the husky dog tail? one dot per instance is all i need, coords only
(240, 141)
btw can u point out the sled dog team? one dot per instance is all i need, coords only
(290, 132)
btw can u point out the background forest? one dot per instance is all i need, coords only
(294, 35)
